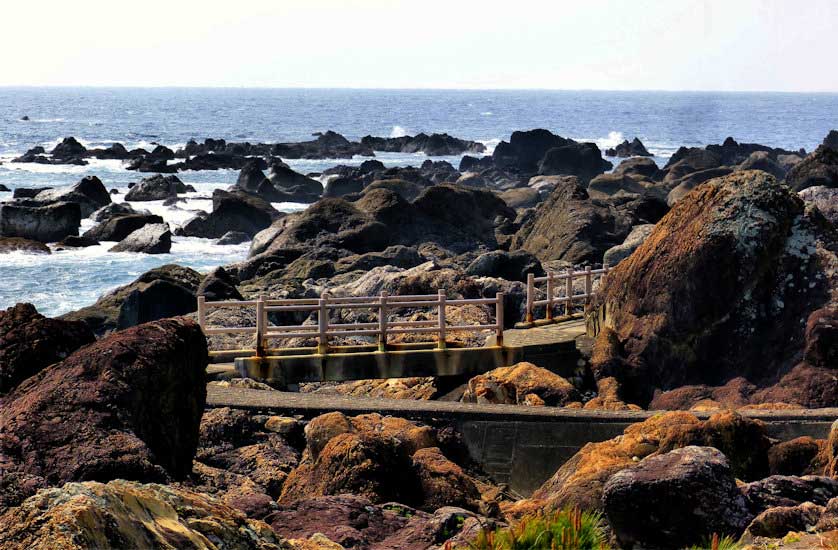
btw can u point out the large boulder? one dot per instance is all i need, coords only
(512, 266)
(684, 497)
(118, 227)
(40, 223)
(231, 211)
(819, 168)
(17, 244)
(90, 193)
(129, 407)
(165, 291)
(219, 285)
(583, 160)
(126, 514)
(520, 384)
(525, 150)
(637, 166)
(156, 188)
(29, 342)
(717, 292)
(579, 481)
(153, 238)
(762, 160)
(68, 148)
(571, 226)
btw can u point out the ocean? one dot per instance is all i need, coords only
(98, 117)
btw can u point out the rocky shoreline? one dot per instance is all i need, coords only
(723, 296)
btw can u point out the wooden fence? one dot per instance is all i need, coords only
(324, 329)
(559, 290)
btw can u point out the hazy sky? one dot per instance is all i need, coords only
(786, 45)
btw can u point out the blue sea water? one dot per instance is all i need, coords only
(139, 117)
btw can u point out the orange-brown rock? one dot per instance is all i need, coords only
(608, 398)
(443, 483)
(797, 457)
(523, 383)
(722, 289)
(580, 480)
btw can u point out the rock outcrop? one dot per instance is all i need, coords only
(721, 289)
(674, 500)
(157, 188)
(89, 193)
(231, 211)
(46, 224)
(633, 148)
(127, 406)
(819, 168)
(30, 342)
(154, 238)
(118, 227)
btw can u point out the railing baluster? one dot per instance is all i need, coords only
(322, 327)
(568, 308)
(202, 311)
(441, 302)
(589, 284)
(549, 308)
(382, 321)
(499, 318)
(530, 297)
(260, 326)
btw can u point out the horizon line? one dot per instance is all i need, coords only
(407, 89)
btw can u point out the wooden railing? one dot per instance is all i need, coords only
(559, 290)
(324, 330)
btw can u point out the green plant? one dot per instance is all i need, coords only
(718, 543)
(567, 529)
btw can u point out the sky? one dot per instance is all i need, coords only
(731, 45)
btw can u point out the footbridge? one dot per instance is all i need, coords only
(380, 343)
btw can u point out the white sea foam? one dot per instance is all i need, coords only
(398, 131)
(614, 138)
(490, 144)
(487, 113)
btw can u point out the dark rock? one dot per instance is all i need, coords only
(233, 237)
(473, 164)
(68, 148)
(638, 166)
(572, 227)
(733, 224)
(14, 244)
(218, 285)
(177, 285)
(819, 168)
(154, 238)
(27, 192)
(4, 189)
(682, 186)
(635, 148)
(398, 256)
(251, 177)
(433, 145)
(40, 223)
(76, 242)
(777, 522)
(686, 495)
(89, 193)
(129, 407)
(794, 457)
(31, 342)
(231, 211)
(824, 199)
(512, 266)
(112, 210)
(525, 150)
(780, 490)
(762, 160)
(831, 139)
(408, 190)
(156, 188)
(119, 227)
(583, 160)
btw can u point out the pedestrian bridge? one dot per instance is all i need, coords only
(329, 350)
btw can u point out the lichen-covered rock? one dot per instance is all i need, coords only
(29, 342)
(514, 385)
(580, 480)
(788, 491)
(127, 406)
(721, 289)
(125, 514)
(675, 499)
(825, 199)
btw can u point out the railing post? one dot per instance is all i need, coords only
(499, 318)
(382, 321)
(260, 327)
(549, 308)
(441, 302)
(589, 283)
(568, 308)
(202, 311)
(530, 291)
(322, 326)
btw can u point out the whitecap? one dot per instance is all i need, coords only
(490, 144)
(398, 131)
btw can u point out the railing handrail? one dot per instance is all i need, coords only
(551, 300)
(324, 329)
